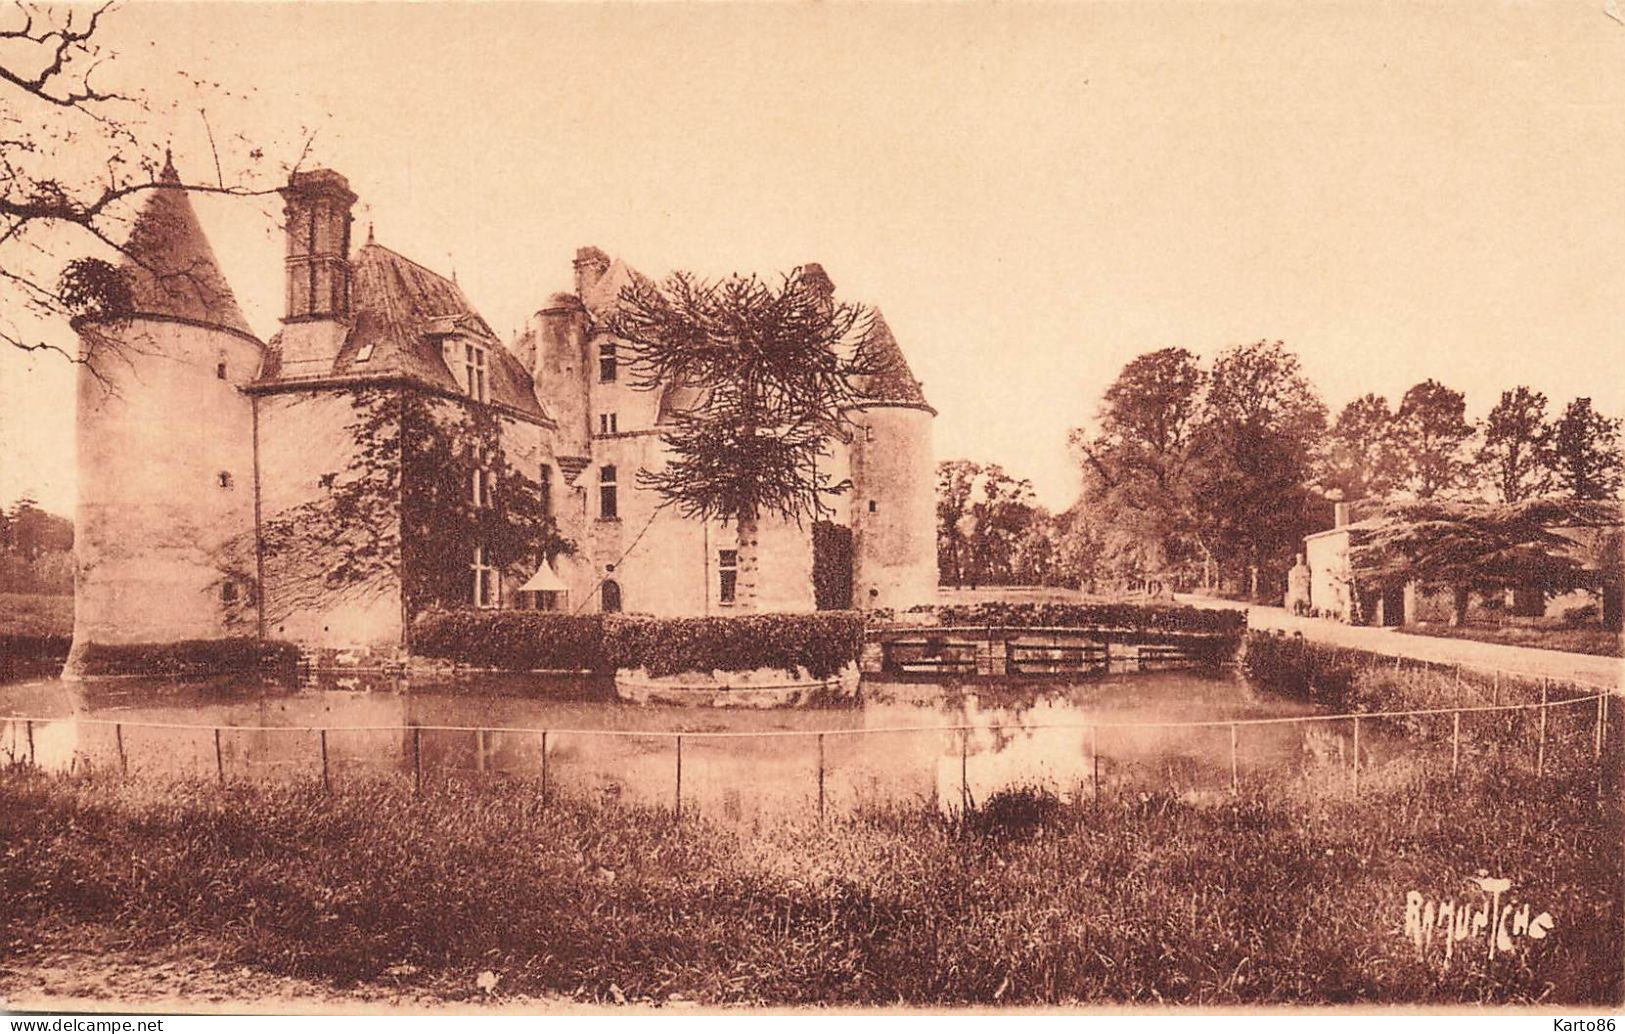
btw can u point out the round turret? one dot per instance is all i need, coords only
(894, 522)
(164, 529)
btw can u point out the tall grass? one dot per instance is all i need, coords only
(1287, 895)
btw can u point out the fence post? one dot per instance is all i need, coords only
(1094, 757)
(1596, 736)
(123, 760)
(1495, 697)
(417, 760)
(1455, 743)
(964, 773)
(479, 751)
(1540, 747)
(820, 778)
(678, 811)
(327, 787)
(544, 769)
(29, 728)
(1234, 779)
(219, 759)
(1356, 753)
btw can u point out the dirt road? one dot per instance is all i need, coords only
(1522, 660)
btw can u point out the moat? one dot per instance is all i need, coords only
(902, 743)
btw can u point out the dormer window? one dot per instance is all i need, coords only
(474, 371)
(606, 362)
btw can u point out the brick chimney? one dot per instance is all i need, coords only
(1340, 515)
(317, 213)
(591, 265)
(818, 281)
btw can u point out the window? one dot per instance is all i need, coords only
(220, 370)
(481, 487)
(474, 358)
(727, 575)
(610, 597)
(485, 580)
(546, 490)
(224, 478)
(607, 501)
(606, 361)
(868, 433)
(871, 506)
(606, 424)
(228, 592)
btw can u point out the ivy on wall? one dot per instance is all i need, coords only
(403, 509)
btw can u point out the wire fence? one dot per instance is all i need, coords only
(1481, 719)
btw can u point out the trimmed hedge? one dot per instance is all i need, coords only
(822, 643)
(192, 657)
(512, 640)
(1131, 616)
(25, 654)
(519, 640)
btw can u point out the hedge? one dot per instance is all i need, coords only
(1131, 616)
(519, 640)
(192, 657)
(25, 654)
(823, 643)
(512, 640)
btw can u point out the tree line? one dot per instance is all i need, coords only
(1210, 474)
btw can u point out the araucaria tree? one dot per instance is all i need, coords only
(773, 369)
(1516, 456)
(1586, 455)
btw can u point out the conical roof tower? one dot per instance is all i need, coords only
(172, 269)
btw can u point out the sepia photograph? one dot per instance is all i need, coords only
(670, 509)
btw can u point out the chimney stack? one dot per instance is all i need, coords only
(591, 265)
(1340, 515)
(317, 213)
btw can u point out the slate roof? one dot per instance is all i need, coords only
(400, 313)
(894, 384)
(172, 269)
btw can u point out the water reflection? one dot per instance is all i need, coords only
(904, 743)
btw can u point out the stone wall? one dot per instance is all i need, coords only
(164, 522)
(1329, 586)
(307, 443)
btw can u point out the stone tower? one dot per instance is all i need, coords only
(164, 528)
(894, 523)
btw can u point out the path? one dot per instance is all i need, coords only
(1522, 660)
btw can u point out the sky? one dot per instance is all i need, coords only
(1032, 195)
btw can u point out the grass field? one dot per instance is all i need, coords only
(1291, 895)
(1598, 641)
(29, 615)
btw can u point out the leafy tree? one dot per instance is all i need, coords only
(1252, 460)
(1359, 458)
(1135, 469)
(984, 519)
(776, 368)
(1586, 452)
(1432, 431)
(1516, 456)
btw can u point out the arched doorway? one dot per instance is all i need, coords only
(609, 599)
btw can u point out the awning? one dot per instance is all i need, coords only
(544, 580)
